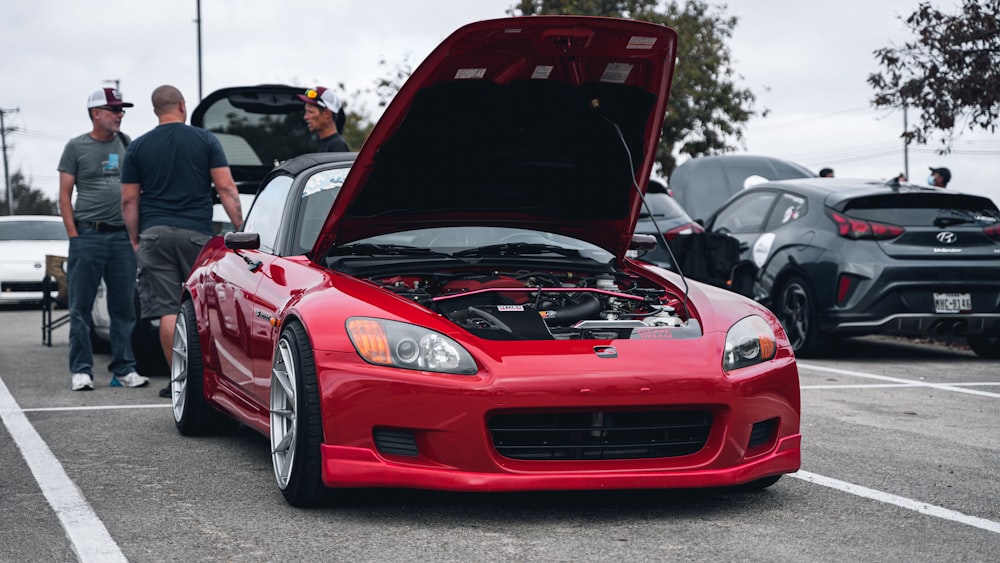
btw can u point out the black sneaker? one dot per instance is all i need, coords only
(166, 392)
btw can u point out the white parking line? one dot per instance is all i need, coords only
(87, 534)
(939, 386)
(903, 502)
(893, 385)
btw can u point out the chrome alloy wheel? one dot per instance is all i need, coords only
(284, 424)
(179, 366)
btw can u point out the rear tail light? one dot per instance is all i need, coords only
(688, 229)
(993, 231)
(857, 229)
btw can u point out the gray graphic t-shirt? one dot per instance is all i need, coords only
(97, 168)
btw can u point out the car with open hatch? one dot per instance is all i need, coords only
(845, 257)
(453, 308)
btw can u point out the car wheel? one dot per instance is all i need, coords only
(796, 309)
(296, 423)
(149, 359)
(985, 345)
(187, 376)
(759, 484)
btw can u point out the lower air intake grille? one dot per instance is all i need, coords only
(761, 432)
(395, 442)
(600, 435)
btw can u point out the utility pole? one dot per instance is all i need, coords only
(906, 146)
(197, 21)
(6, 168)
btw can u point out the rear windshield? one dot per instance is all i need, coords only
(924, 209)
(32, 230)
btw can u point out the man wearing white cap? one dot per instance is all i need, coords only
(325, 117)
(99, 246)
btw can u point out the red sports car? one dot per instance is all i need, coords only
(453, 308)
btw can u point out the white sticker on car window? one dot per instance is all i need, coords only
(762, 248)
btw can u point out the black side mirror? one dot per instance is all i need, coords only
(242, 241)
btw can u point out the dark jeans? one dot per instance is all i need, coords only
(94, 255)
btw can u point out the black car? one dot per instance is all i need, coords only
(661, 212)
(702, 184)
(852, 257)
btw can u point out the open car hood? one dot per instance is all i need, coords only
(541, 122)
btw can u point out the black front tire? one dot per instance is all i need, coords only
(296, 429)
(985, 345)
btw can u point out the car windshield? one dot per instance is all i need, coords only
(32, 230)
(925, 209)
(661, 205)
(485, 242)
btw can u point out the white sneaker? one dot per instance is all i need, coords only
(82, 382)
(132, 379)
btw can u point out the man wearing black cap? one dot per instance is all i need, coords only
(99, 246)
(325, 116)
(939, 177)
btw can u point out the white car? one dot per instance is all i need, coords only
(25, 241)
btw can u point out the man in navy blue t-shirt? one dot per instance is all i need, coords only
(167, 179)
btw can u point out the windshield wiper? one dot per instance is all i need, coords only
(517, 249)
(949, 221)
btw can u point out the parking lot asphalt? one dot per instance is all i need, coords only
(900, 446)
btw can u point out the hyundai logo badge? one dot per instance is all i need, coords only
(947, 237)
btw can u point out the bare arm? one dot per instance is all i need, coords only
(66, 182)
(130, 212)
(222, 177)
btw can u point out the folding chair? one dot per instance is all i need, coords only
(54, 280)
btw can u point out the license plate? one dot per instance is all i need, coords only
(952, 302)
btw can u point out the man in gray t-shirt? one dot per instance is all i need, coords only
(99, 246)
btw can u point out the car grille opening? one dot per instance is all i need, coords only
(762, 432)
(389, 441)
(600, 435)
(19, 287)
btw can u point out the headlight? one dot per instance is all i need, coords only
(401, 345)
(750, 341)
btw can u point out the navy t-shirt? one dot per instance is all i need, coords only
(172, 165)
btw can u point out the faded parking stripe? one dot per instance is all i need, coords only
(87, 534)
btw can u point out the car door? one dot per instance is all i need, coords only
(745, 219)
(236, 278)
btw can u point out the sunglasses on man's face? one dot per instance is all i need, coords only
(115, 109)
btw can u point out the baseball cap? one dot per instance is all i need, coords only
(943, 172)
(323, 97)
(106, 97)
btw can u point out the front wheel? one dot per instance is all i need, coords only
(796, 309)
(296, 422)
(985, 345)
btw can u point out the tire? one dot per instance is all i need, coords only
(796, 309)
(149, 358)
(985, 345)
(296, 430)
(187, 377)
(759, 484)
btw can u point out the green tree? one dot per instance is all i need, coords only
(949, 73)
(708, 109)
(27, 200)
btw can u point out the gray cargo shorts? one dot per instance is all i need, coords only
(165, 258)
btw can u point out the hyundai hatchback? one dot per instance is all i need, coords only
(854, 257)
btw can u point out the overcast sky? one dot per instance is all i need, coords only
(807, 61)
